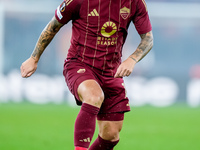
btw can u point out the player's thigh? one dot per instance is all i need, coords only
(90, 92)
(109, 130)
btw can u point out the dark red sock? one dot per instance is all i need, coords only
(80, 148)
(85, 125)
(101, 144)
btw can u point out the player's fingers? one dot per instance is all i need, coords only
(23, 74)
(121, 73)
(125, 73)
(117, 73)
(128, 73)
(22, 70)
(29, 74)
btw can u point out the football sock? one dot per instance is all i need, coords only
(101, 144)
(80, 148)
(85, 125)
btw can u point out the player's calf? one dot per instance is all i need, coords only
(85, 126)
(102, 144)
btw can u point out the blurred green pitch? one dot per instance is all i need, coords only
(50, 127)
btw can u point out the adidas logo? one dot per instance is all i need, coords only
(85, 140)
(93, 13)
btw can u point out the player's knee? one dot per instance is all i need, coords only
(96, 100)
(90, 92)
(110, 133)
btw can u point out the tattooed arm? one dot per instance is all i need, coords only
(30, 65)
(144, 47)
(126, 67)
(45, 38)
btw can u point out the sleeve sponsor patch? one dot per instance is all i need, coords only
(60, 16)
(67, 10)
(60, 10)
(62, 7)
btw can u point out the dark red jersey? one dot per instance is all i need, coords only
(100, 28)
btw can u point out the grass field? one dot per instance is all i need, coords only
(50, 127)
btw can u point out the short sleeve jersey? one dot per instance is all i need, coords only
(99, 29)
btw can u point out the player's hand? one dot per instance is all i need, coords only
(125, 68)
(28, 67)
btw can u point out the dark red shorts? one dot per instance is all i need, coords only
(115, 102)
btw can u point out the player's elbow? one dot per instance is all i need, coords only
(151, 40)
(151, 44)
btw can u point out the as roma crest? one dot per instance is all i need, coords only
(124, 12)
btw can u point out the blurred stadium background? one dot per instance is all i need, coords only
(166, 83)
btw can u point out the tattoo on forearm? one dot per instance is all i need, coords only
(144, 47)
(133, 59)
(45, 38)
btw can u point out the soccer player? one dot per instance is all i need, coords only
(93, 69)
